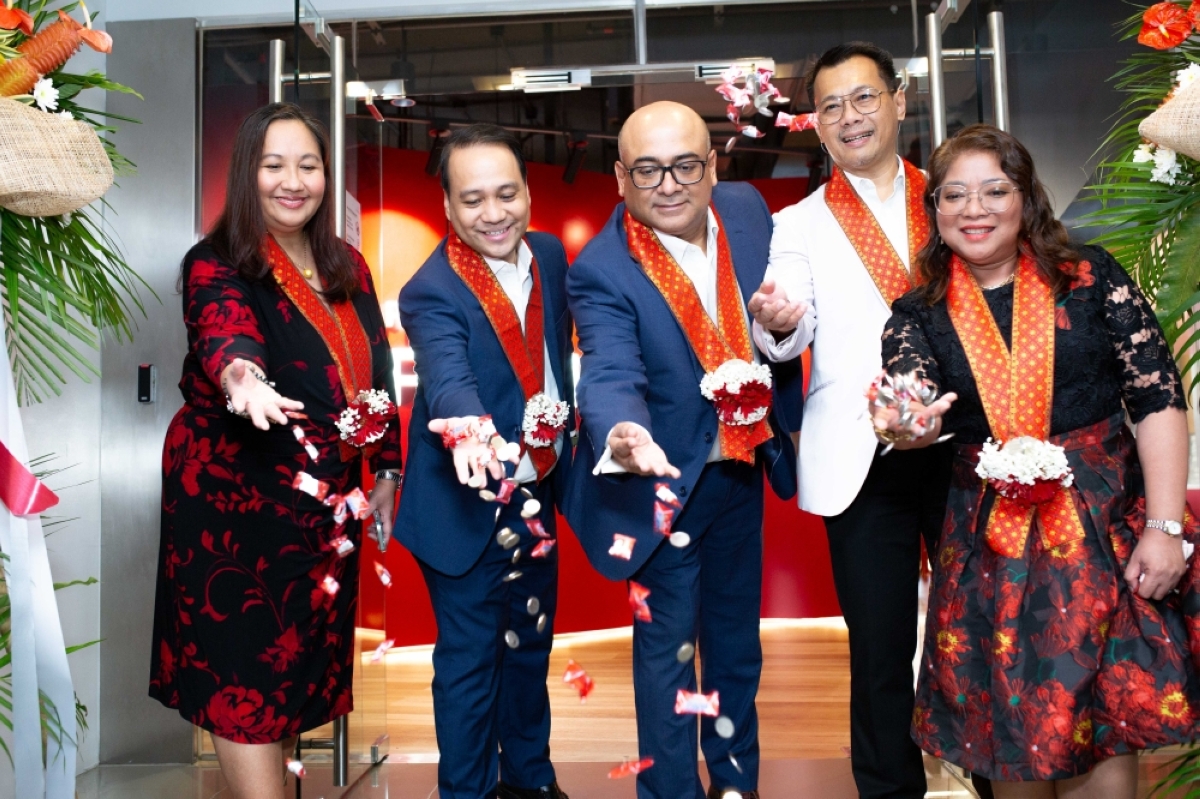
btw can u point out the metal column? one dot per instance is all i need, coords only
(639, 31)
(337, 147)
(999, 69)
(937, 86)
(275, 72)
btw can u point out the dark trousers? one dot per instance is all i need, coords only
(875, 547)
(708, 593)
(491, 709)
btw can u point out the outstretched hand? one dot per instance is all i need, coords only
(771, 308)
(252, 398)
(473, 459)
(635, 451)
(887, 422)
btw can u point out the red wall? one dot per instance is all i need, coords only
(797, 582)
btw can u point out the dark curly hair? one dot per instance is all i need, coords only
(238, 234)
(1042, 236)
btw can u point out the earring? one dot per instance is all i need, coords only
(824, 148)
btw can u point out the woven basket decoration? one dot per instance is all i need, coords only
(1176, 123)
(49, 165)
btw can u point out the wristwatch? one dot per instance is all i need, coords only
(388, 474)
(1169, 527)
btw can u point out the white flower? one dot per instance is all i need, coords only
(1166, 166)
(45, 95)
(1143, 154)
(1188, 75)
(1024, 460)
(66, 115)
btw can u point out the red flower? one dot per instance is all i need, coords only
(286, 651)
(1026, 495)
(1128, 691)
(1165, 25)
(951, 644)
(1083, 271)
(752, 397)
(1062, 319)
(15, 18)
(1174, 709)
(1193, 13)
(237, 714)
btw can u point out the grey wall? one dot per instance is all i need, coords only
(155, 219)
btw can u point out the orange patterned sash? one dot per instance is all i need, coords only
(525, 349)
(713, 344)
(340, 329)
(874, 249)
(1016, 391)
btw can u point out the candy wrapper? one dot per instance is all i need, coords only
(385, 576)
(637, 601)
(310, 485)
(698, 704)
(630, 768)
(298, 432)
(664, 515)
(622, 546)
(329, 585)
(297, 768)
(342, 545)
(543, 548)
(755, 94)
(480, 428)
(665, 494)
(899, 392)
(796, 123)
(537, 528)
(505, 491)
(358, 504)
(381, 650)
(578, 679)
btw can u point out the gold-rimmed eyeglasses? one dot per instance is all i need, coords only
(994, 198)
(865, 101)
(650, 176)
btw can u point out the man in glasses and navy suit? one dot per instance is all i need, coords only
(665, 493)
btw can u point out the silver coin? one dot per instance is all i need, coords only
(487, 495)
(724, 726)
(686, 652)
(507, 538)
(512, 639)
(732, 793)
(530, 509)
(680, 539)
(541, 623)
(533, 606)
(516, 555)
(528, 494)
(736, 765)
(513, 575)
(477, 480)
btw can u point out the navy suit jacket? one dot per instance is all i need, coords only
(462, 371)
(639, 367)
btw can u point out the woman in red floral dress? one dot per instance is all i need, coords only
(255, 608)
(1056, 646)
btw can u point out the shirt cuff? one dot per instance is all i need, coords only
(606, 464)
(783, 350)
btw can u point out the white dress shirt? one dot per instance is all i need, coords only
(701, 268)
(789, 265)
(517, 282)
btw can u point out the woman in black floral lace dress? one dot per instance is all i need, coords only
(1055, 645)
(255, 610)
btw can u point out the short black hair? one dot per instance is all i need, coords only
(836, 56)
(475, 135)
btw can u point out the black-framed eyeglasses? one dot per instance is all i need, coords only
(994, 198)
(650, 176)
(865, 101)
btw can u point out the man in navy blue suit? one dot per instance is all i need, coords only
(488, 321)
(659, 301)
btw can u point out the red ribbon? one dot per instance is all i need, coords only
(24, 494)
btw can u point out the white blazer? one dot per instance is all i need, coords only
(812, 259)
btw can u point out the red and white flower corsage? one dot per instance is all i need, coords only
(366, 419)
(740, 391)
(1027, 470)
(544, 420)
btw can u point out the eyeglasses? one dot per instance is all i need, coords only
(865, 101)
(994, 198)
(647, 176)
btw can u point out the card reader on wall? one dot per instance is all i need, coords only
(147, 387)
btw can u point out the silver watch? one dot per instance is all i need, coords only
(1167, 526)
(388, 474)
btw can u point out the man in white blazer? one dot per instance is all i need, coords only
(838, 260)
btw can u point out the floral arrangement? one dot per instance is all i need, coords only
(544, 420)
(1025, 469)
(1148, 186)
(740, 391)
(59, 270)
(366, 419)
